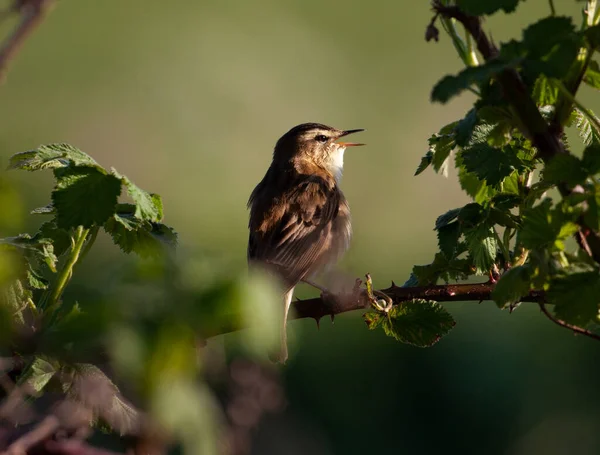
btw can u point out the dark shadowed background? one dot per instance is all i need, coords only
(188, 98)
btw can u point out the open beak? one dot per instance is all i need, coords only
(350, 144)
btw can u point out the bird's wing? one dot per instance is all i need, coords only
(293, 239)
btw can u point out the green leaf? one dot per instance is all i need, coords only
(448, 237)
(35, 280)
(480, 8)
(425, 162)
(440, 146)
(14, 294)
(144, 238)
(564, 168)
(587, 130)
(450, 86)
(60, 238)
(576, 297)
(441, 268)
(148, 206)
(503, 218)
(488, 163)
(505, 201)
(40, 374)
(34, 249)
(420, 323)
(591, 159)
(482, 246)
(592, 34)
(592, 74)
(464, 128)
(84, 196)
(545, 91)
(51, 156)
(552, 46)
(447, 218)
(373, 319)
(544, 227)
(513, 285)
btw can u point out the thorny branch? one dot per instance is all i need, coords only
(32, 13)
(329, 305)
(546, 139)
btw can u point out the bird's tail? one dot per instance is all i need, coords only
(281, 355)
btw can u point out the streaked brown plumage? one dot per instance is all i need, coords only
(299, 218)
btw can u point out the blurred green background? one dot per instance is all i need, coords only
(188, 98)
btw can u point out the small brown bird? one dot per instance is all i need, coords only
(299, 218)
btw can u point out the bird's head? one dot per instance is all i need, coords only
(314, 144)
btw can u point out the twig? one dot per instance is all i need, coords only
(33, 13)
(566, 325)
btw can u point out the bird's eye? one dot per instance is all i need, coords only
(321, 138)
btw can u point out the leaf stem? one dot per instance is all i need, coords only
(567, 94)
(67, 271)
(90, 241)
(552, 9)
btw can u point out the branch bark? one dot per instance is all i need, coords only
(33, 13)
(329, 305)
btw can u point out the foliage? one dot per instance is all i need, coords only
(148, 346)
(513, 231)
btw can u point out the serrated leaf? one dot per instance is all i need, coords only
(40, 374)
(544, 227)
(503, 218)
(148, 207)
(51, 156)
(84, 196)
(425, 162)
(35, 280)
(542, 36)
(488, 163)
(372, 319)
(513, 285)
(576, 297)
(480, 8)
(587, 131)
(591, 159)
(505, 201)
(450, 86)
(34, 248)
(447, 218)
(464, 128)
(545, 91)
(144, 238)
(592, 34)
(440, 146)
(564, 168)
(482, 246)
(60, 238)
(420, 323)
(592, 74)
(448, 237)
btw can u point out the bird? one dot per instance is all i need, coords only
(299, 219)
